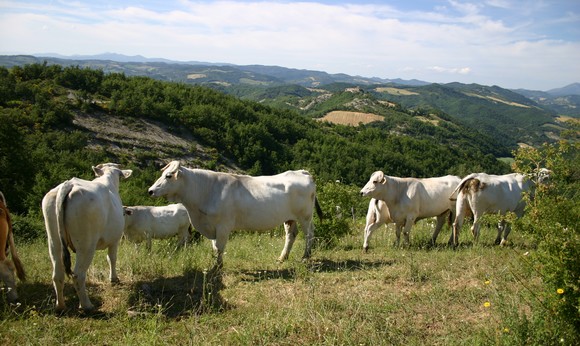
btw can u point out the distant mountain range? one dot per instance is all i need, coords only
(196, 72)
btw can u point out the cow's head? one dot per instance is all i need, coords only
(113, 168)
(7, 276)
(377, 178)
(169, 183)
(543, 175)
(127, 211)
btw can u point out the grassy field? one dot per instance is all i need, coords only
(342, 296)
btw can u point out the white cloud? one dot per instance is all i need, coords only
(452, 70)
(460, 41)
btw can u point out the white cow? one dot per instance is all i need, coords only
(482, 193)
(377, 215)
(84, 216)
(147, 222)
(8, 267)
(412, 199)
(219, 203)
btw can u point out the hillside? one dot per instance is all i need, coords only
(511, 118)
(505, 116)
(56, 121)
(565, 101)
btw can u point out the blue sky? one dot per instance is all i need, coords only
(532, 44)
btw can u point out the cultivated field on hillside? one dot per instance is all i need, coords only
(342, 296)
(350, 118)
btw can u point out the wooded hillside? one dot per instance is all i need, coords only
(41, 145)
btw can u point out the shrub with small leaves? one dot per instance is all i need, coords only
(553, 218)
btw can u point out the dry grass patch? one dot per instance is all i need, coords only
(396, 91)
(342, 296)
(351, 118)
(196, 76)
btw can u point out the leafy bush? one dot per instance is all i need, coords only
(340, 204)
(553, 218)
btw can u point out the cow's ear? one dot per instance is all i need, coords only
(98, 171)
(127, 173)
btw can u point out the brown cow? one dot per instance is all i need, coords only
(8, 267)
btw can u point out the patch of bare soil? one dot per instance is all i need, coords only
(142, 139)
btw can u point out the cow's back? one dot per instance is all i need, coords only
(156, 221)
(425, 197)
(265, 202)
(499, 193)
(93, 210)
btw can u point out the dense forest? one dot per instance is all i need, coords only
(40, 145)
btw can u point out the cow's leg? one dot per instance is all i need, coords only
(369, 229)
(407, 229)
(291, 229)
(500, 228)
(398, 229)
(440, 222)
(83, 261)
(460, 210)
(506, 227)
(112, 259)
(219, 245)
(475, 227)
(309, 236)
(55, 249)
(183, 236)
(148, 246)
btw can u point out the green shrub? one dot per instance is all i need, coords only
(340, 204)
(553, 219)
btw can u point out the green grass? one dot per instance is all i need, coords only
(342, 296)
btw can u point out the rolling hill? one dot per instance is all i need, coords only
(509, 117)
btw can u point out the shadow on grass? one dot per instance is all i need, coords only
(193, 293)
(37, 298)
(315, 266)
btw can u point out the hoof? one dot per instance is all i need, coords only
(88, 309)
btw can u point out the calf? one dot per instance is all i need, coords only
(146, 223)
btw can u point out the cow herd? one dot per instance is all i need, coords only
(85, 216)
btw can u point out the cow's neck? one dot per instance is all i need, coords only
(109, 181)
(394, 186)
(198, 183)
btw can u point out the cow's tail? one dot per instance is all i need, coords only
(318, 209)
(61, 199)
(463, 184)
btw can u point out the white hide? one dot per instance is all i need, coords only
(219, 203)
(412, 199)
(143, 223)
(377, 215)
(483, 193)
(85, 216)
